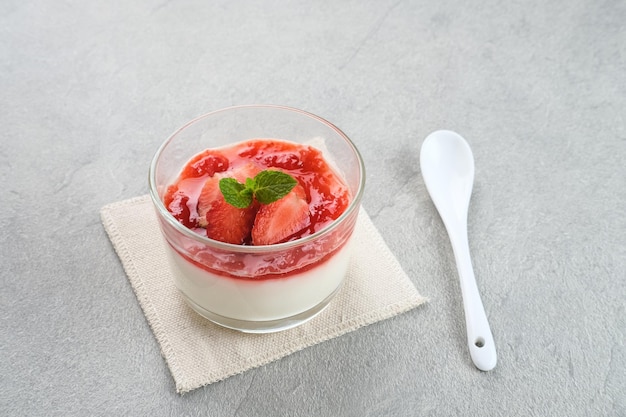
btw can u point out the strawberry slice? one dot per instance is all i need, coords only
(210, 193)
(205, 163)
(229, 224)
(222, 221)
(281, 220)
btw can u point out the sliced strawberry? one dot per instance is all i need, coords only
(279, 221)
(222, 221)
(210, 193)
(211, 189)
(229, 224)
(206, 163)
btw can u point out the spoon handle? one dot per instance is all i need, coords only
(479, 338)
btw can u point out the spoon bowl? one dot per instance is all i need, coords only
(447, 165)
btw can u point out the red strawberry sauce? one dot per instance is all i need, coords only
(326, 194)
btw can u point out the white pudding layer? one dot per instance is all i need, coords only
(262, 300)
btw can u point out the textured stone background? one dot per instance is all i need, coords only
(90, 89)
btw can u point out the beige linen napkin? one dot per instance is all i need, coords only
(199, 352)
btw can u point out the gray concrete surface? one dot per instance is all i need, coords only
(90, 89)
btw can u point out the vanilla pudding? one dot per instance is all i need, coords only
(266, 299)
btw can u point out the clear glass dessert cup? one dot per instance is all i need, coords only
(258, 289)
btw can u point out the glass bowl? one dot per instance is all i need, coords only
(258, 289)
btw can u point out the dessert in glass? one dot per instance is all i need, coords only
(257, 205)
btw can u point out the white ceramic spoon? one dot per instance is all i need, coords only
(447, 166)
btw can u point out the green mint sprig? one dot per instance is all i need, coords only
(267, 186)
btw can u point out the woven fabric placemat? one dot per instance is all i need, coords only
(199, 352)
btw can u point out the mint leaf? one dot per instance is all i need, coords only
(271, 186)
(235, 193)
(267, 186)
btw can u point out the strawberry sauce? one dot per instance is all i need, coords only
(326, 194)
(318, 199)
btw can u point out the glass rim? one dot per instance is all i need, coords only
(231, 247)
